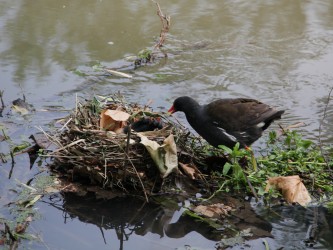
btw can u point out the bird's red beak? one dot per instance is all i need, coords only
(171, 110)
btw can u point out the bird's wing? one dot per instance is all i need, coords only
(241, 114)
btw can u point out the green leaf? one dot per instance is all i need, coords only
(236, 147)
(226, 149)
(306, 143)
(21, 147)
(226, 168)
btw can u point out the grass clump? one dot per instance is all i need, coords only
(286, 156)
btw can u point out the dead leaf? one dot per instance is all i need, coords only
(217, 210)
(190, 170)
(117, 115)
(164, 156)
(291, 187)
(20, 228)
(113, 120)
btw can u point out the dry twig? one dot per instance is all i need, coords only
(166, 22)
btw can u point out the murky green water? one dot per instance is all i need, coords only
(280, 52)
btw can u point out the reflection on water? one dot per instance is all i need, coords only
(280, 52)
(132, 220)
(124, 223)
(292, 223)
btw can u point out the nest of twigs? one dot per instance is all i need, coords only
(94, 156)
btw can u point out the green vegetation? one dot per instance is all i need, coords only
(23, 211)
(291, 156)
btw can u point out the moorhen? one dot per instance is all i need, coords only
(227, 121)
(145, 124)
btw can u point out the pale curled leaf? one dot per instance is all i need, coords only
(21, 110)
(34, 200)
(164, 156)
(117, 115)
(291, 187)
(113, 120)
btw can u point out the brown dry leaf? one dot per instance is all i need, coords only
(20, 228)
(292, 189)
(217, 210)
(67, 186)
(164, 156)
(190, 170)
(113, 120)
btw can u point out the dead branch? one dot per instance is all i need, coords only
(166, 22)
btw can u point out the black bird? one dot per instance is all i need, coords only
(227, 121)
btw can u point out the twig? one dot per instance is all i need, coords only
(12, 156)
(251, 187)
(215, 192)
(3, 158)
(118, 73)
(1, 95)
(283, 130)
(105, 172)
(166, 22)
(128, 140)
(69, 145)
(13, 164)
(126, 150)
(65, 125)
(143, 187)
(49, 137)
(2, 103)
(320, 127)
(26, 186)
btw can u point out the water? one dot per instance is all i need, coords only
(280, 52)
